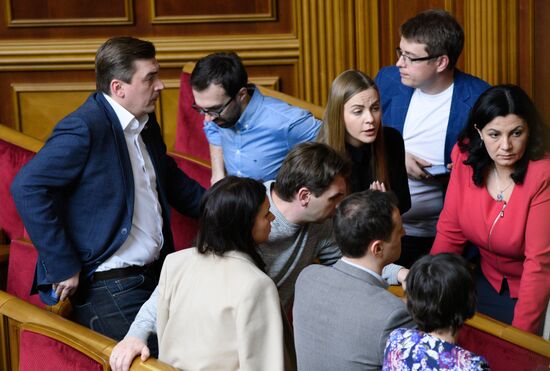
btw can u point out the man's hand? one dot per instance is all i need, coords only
(415, 166)
(125, 351)
(66, 288)
(402, 277)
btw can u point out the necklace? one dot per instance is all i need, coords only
(500, 194)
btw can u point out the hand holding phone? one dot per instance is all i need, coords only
(437, 170)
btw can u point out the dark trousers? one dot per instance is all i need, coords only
(413, 248)
(497, 305)
(110, 306)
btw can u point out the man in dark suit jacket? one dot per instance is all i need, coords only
(95, 200)
(343, 314)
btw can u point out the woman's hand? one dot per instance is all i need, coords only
(378, 186)
(125, 351)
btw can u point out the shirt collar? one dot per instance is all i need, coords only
(372, 273)
(255, 102)
(126, 119)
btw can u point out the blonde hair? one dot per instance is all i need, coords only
(344, 87)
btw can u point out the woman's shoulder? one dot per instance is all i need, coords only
(393, 141)
(542, 164)
(392, 133)
(538, 172)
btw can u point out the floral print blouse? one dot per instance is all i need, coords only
(410, 349)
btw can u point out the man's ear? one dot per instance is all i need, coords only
(442, 63)
(241, 94)
(376, 248)
(304, 195)
(117, 88)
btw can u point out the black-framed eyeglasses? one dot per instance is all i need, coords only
(214, 114)
(408, 60)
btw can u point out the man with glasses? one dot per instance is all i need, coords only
(428, 100)
(249, 134)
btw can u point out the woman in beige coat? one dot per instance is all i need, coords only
(216, 308)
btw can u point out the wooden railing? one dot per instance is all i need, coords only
(16, 313)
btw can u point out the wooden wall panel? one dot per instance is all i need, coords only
(491, 29)
(174, 11)
(299, 46)
(47, 13)
(541, 60)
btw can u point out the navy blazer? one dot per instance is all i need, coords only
(395, 98)
(76, 196)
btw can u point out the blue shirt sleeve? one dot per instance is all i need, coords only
(212, 132)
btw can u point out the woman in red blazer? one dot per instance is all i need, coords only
(498, 199)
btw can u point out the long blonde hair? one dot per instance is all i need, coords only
(344, 87)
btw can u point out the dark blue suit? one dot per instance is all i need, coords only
(76, 196)
(395, 98)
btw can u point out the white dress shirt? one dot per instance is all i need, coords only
(145, 237)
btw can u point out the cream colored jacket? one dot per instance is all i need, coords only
(218, 313)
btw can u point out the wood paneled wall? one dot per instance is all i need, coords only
(47, 49)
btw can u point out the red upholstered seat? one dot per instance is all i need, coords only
(12, 158)
(192, 156)
(190, 137)
(45, 349)
(501, 354)
(21, 265)
(184, 229)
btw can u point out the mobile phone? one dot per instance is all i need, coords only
(437, 170)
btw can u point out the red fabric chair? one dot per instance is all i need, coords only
(501, 354)
(192, 156)
(190, 137)
(184, 229)
(42, 348)
(12, 158)
(21, 265)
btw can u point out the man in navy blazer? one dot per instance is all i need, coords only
(344, 313)
(428, 100)
(95, 199)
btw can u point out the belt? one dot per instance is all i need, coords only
(132, 270)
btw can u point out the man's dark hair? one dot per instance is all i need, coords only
(439, 30)
(361, 218)
(227, 214)
(115, 60)
(225, 69)
(310, 165)
(440, 292)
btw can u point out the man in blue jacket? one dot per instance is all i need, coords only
(95, 199)
(428, 100)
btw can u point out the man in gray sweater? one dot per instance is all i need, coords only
(303, 199)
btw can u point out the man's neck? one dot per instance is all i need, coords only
(290, 210)
(440, 83)
(367, 262)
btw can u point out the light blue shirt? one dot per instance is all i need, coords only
(266, 131)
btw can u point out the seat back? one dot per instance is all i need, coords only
(505, 347)
(16, 150)
(184, 229)
(34, 339)
(21, 266)
(42, 348)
